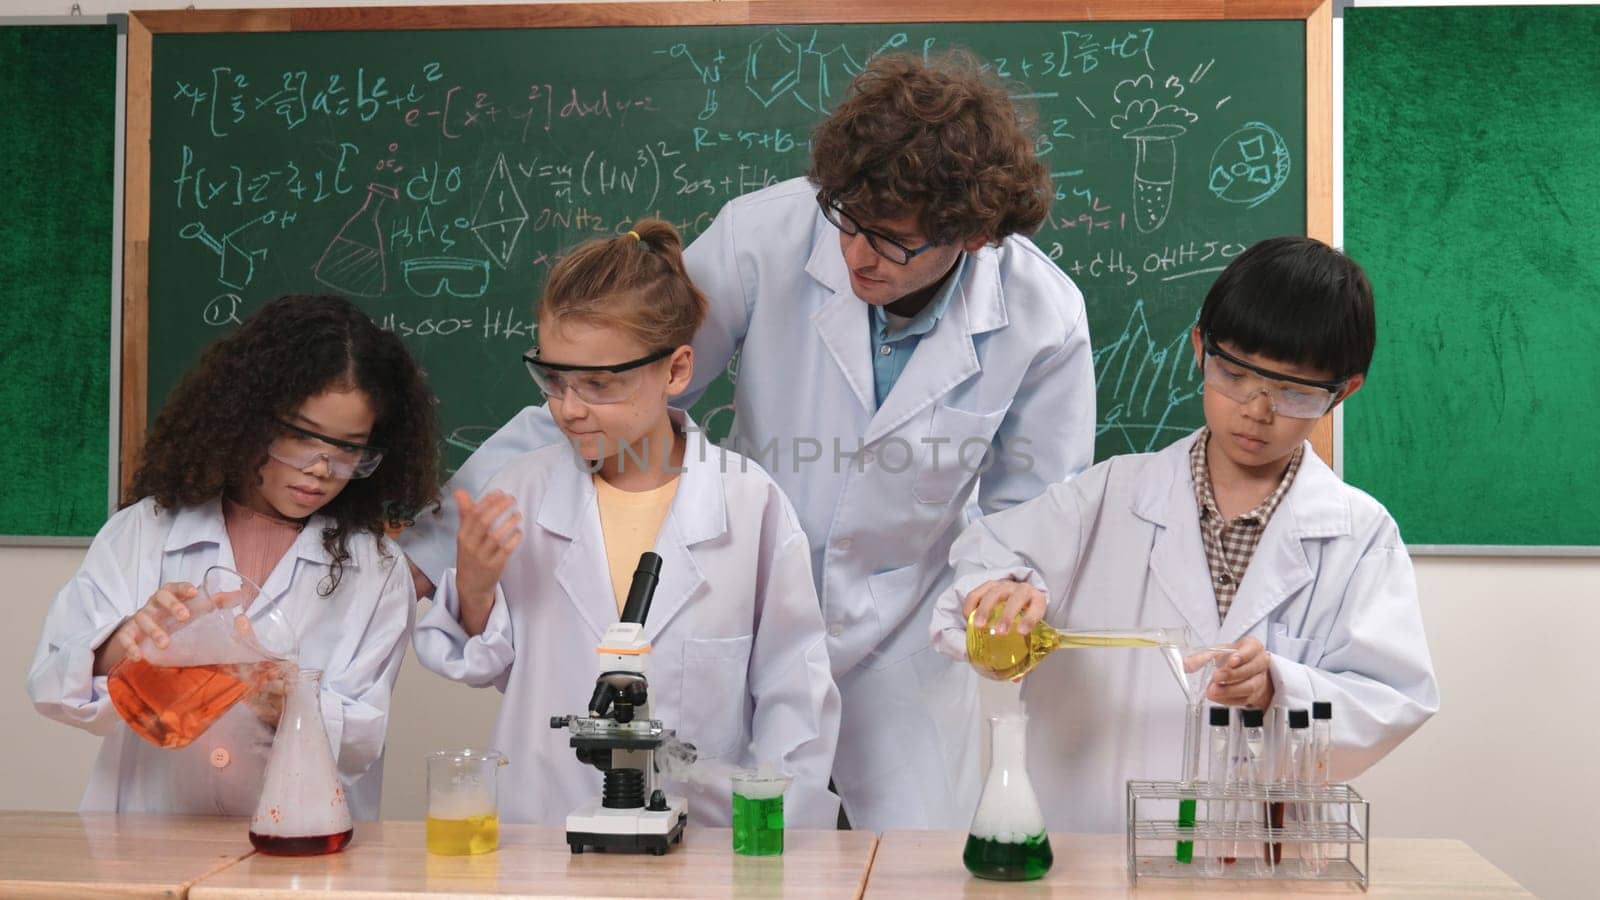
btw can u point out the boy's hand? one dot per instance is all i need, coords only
(483, 544)
(1243, 678)
(1011, 598)
(123, 644)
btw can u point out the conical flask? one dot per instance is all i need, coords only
(354, 260)
(1012, 655)
(302, 811)
(1007, 841)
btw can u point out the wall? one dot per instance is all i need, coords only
(1503, 767)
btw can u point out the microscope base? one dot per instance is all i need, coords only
(628, 830)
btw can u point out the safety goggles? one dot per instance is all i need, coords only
(591, 384)
(1239, 381)
(885, 246)
(300, 448)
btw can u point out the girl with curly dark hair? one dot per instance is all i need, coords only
(283, 454)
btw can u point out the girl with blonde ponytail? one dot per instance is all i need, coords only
(545, 556)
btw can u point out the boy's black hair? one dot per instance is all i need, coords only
(211, 435)
(1295, 300)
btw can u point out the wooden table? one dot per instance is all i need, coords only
(390, 859)
(926, 865)
(67, 855)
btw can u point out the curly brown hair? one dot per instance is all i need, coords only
(211, 436)
(939, 139)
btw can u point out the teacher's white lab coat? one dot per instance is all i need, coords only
(737, 664)
(356, 636)
(880, 492)
(1329, 591)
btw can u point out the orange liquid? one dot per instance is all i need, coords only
(170, 706)
(308, 845)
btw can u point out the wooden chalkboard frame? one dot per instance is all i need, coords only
(1317, 15)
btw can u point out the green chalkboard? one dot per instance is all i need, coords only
(1471, 196)
(58, 100)
(435, 175)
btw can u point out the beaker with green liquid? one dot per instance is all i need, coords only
(758, 812)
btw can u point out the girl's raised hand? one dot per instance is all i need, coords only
(489, 532)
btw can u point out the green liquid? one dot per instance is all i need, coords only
(1025, 861)
(757, 826)
(1186, 819)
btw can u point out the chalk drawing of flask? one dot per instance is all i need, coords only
(354, 260)
(1155, 165)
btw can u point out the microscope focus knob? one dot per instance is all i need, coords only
(658, 801)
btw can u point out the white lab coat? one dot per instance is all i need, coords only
(1330, 592)
(738, 664)
(1008, 365)
(356, 637)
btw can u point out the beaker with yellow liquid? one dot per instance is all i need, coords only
(463, 801)
(1013, 655)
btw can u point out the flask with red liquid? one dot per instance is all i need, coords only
(222, 653)
(302, 811)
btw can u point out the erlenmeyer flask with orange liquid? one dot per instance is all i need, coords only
(216, 658)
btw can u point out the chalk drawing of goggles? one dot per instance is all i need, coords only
(458, 276)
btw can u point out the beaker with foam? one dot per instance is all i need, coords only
(224, 652)
(1007, 840)
(464, 801)
(302, 811)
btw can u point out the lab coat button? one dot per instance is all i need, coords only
(885, 350)
(842, 544)
(866, 457)
(220, 758)
(835, 630)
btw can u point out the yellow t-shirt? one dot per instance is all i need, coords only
(630, 521)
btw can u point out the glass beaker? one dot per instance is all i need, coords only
(302, 811)
(1011, 655)
(758, 812)
(1007, 840)
(463, 801)
(354, 260)
(216, 658)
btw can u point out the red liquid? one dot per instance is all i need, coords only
(308, 845)
(170, 706)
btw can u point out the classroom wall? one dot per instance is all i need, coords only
(1507, 766)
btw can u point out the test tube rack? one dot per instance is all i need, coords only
(1340, 825)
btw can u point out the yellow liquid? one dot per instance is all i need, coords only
(460, 837)
(1012, 655)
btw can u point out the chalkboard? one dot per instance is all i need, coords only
(1471, 197)
(434, 170)
(58, 103)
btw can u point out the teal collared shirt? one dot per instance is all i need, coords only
(891, 352)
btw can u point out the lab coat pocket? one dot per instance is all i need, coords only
(1307, 651)
(954, 452)
(714, 694)
(894, 593)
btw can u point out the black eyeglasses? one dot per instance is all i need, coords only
(885, 246)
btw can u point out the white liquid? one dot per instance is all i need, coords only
(1008, 812)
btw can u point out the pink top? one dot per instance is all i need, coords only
(258, 540)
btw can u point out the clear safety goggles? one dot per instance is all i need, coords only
(595, 385)
(1239, 381)
(300, 448)
(881, 244)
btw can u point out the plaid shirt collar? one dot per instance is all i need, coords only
(1206, 498)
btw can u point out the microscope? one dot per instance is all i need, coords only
(619, 738)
